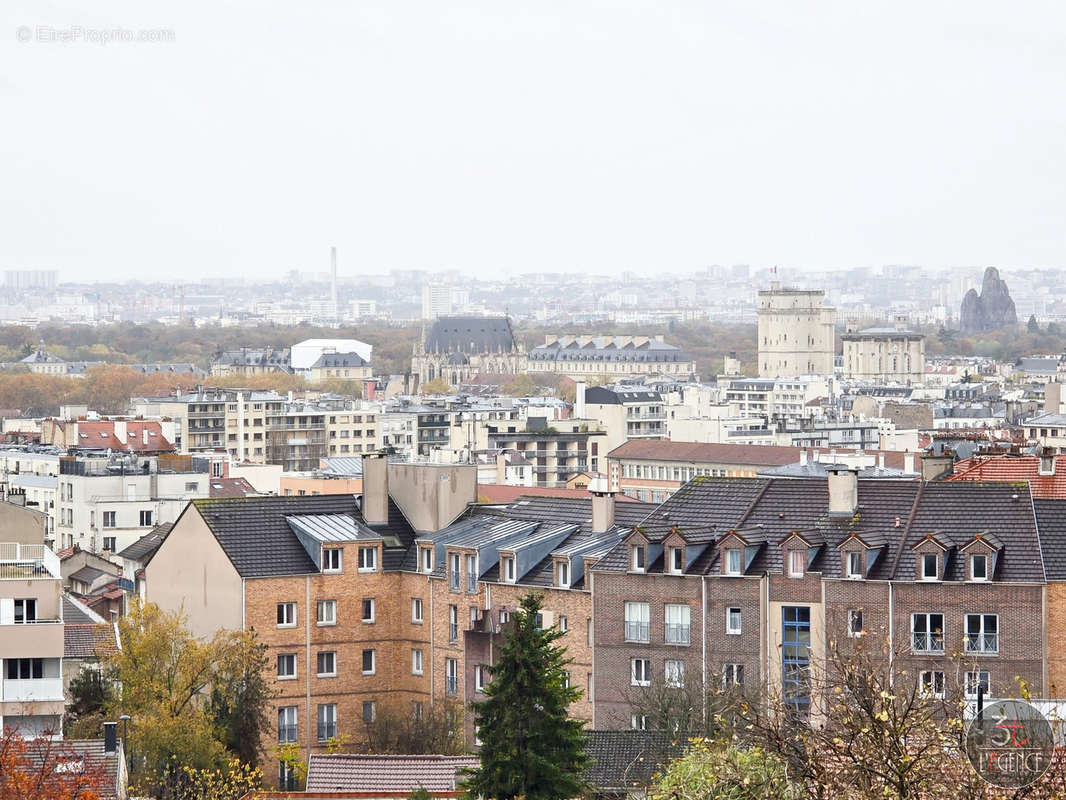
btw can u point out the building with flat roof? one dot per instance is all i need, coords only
(796, 333)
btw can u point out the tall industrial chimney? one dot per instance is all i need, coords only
(333, 277)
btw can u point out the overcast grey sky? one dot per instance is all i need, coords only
(503, 137)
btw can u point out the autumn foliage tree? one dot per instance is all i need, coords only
(39, 769)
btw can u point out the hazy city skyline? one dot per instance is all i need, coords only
(504, 138)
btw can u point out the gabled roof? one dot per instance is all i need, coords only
(83, 756)
(1010, 467)
(623, 761)
(81, 640)
(471, 335)
(254, 532)
(352, 772)
(1052, 517)
(231, 487)
(143, 549)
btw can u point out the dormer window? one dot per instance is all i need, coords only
(930, 567)
(854, 566)
(677, 560)
(562, 574)
(508, 569)
(797, 563)
(979, 567)
(332, 560)
(732, 561)
(636, 558)
(427, 559)
(368, 559)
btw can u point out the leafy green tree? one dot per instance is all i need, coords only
(240, 696)
(90, 695)
(435, 386)
(521, 386)
(717, 771)
(530, 747)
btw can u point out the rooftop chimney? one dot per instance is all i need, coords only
(843, 490)
(908, 462)
(579, 400)
(602, 506)
(1047, 461)
(375, 488)
(1052, 398)
(501, 468)
(934, 467)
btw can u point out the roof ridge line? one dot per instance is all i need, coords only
(751, 506)
(907, 529)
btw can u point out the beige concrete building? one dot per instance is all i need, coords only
(796, 335)
(31, 639)
(884, 355)
(612, 357)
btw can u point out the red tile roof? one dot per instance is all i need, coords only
(1014, 468)
(496, 494)
(352, 772)
(102, 435)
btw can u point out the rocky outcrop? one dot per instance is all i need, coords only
(991, 310)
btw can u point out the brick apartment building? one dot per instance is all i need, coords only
(746, 580)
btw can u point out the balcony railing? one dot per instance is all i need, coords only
(32, 689)
(676, 633)
(453, 631)
(638, 631)
(451, 685)
(471, 583)
(22, 561)
(287, 733)
(982, 643)
(453, 580)
(927, 642)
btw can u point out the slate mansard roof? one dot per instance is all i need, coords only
(892, 517)
(605, 348)
(471, 335)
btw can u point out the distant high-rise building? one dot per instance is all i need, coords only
(30, 278)
(796, 334)
(438, 301)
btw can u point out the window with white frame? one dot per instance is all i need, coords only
(454, 572)
(638, 622)
(732, 675)
(451, 677)
(370, 710)
(508, 570)
(979, 567)
(927, 632)
(636, 557)
(427, 559)
(674, 673)
(479, 678)
(678, 623)
(982, 633)
(563, 623)
(332, 559)
(368, 559)
(562, 574)
(369, 607)
(369, 662)
(327, 721)
(326, 612)
(416, 661)
(327, 663)
(453, 623)
(471, 574)
(855, 564)
(416, 610)
(732, 561)
(797, 563)
(287, 722)
(640, 672)
(676, 562)
(732, 620)
(639, 722)
(286, 666)
(931, 682)
(930, 567)
(976, 679)
(286, 615)
(855, 628)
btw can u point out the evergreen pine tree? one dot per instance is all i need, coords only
(530, 747)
